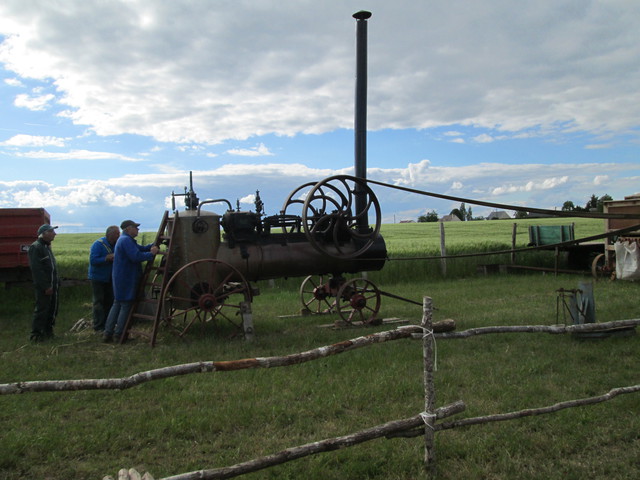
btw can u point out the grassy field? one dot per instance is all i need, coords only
(212, 420)
(404, 241)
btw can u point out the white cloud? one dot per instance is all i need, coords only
(36, 103)
(484, 138)
(183, 74)
(21, 184)
(488, 182)
(33, 141)
(75, 194)
(13, 82)
(249, 199)
(183, 82)
(530, 186)
(77, 155)
(258, 151)
(190, 148)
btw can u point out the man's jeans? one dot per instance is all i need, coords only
(117, 318)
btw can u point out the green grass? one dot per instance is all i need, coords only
(201, 421)
(406, 240)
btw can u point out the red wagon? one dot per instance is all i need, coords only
(18, 230)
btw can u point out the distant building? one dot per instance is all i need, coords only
(407, 221)
(499, 215)
(450, 218)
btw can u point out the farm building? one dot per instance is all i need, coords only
(498, 215)
(450, 218)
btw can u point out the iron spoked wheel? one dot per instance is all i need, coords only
(204, 291)
(315, 295)
(358, 300)
(600, 269)
(331, 219)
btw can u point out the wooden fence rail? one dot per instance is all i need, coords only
(422, 424)
(207, 367)
(407, 331)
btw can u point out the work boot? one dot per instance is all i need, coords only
(107, 338)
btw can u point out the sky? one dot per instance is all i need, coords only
(106, 106)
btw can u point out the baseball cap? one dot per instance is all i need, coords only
(128, 223)
(46, 227)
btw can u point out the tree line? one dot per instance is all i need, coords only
(595, 204)
(464, 213)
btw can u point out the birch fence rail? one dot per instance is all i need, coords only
(423, 423)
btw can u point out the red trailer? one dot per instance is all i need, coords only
(18, 230)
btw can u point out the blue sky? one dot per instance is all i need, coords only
(105, 107)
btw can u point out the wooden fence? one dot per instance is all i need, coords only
(422, 424)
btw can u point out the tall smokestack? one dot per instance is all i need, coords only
(360, 125)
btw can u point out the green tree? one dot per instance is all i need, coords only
(462, 212)
(592, 204)
(568, 206)
(457, 213)
(469, 215)
(431, 216)
(601, 200)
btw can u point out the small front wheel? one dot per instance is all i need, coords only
(315, 295)
(358, 300)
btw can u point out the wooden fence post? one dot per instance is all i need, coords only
(443, 251)
(514, 233)
(428, 344)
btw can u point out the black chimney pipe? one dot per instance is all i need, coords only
(360, 125)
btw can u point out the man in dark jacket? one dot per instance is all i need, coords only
(127, 270)
(100, 267)
(45, 280)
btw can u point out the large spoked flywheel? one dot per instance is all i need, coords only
(335, 216)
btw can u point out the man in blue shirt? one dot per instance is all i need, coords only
(127, 270)
(100, 267)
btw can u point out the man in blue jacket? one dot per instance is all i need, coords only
(127, 270)
(100, 267)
